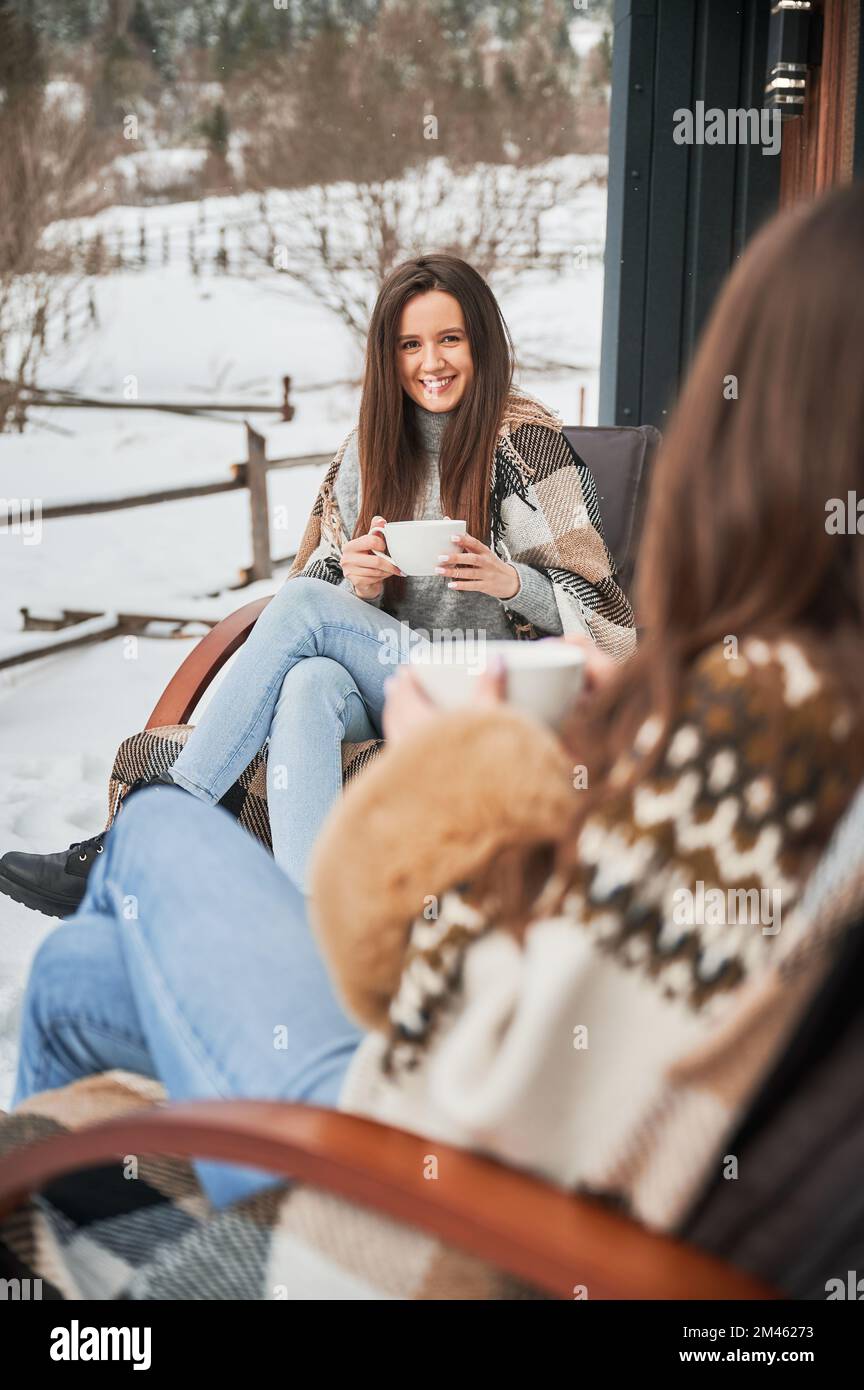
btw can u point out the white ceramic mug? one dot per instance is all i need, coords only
(544, 677)
(416, 545)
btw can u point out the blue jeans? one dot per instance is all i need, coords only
(190, 960)
(310, 676)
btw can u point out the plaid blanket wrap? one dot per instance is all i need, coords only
(544, 513)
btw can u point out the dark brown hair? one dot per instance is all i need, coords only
(769, 427)
(391, 461)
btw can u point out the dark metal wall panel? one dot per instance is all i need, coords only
(630, 144)
(758, 175)
(669, 247)
(627, 217)
(711, 206)
(678, 215)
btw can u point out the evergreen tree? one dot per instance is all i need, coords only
(513, 16)
(216, 129)
(73, 21)
(146, 37)
(22, 67)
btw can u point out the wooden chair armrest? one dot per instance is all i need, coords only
(177, 702)
(516, 1222)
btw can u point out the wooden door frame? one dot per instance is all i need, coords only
(819, 146)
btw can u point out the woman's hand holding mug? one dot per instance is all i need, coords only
(408, 707)
(600, 668)
(366, 564)
(475, 568)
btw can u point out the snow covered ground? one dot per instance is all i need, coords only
(184, 338)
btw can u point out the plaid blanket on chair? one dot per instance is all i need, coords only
(152, 751)
(103, 1234)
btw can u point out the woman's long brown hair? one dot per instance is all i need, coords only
(391, 460)
(768, 429)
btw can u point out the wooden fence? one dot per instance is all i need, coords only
(71, 400)
(95, 626)
(251, 474)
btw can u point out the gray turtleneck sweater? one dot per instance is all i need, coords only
(428, 603)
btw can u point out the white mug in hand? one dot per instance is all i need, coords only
(416, 545)
(543, 678)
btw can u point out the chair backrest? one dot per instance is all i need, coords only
(620, 460)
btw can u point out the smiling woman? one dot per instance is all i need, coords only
(435, 365)
(439, 370)
(442, 433)
(436, 438)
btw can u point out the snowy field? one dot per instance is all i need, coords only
(182, 338)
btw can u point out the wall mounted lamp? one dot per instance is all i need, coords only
(794, 47)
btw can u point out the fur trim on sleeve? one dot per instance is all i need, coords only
(427, 815)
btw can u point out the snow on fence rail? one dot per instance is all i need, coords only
(229, 247)
(71, 629)
(57, 397)
(251, 474)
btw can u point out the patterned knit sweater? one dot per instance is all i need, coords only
(613, 1048)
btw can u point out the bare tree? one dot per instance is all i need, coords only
(340, 241)
(46, 161)
(396, 141)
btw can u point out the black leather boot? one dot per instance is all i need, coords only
(56, 883)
